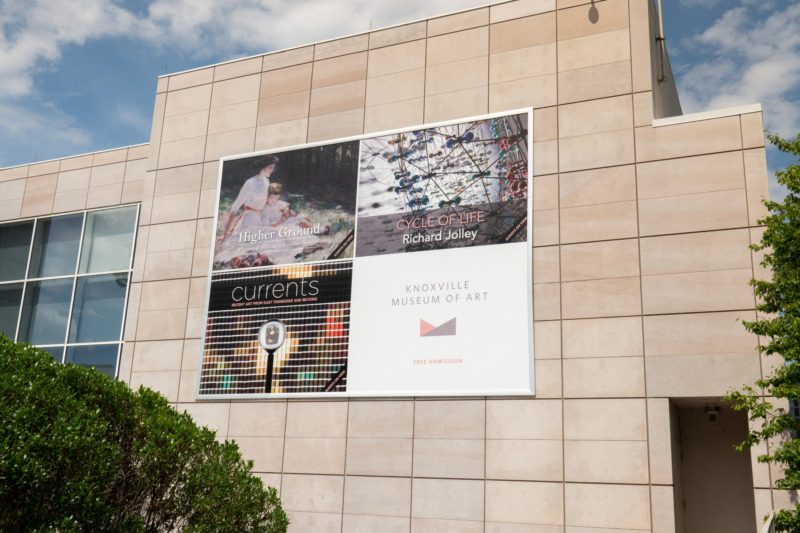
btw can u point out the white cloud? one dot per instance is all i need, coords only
(25, 130)
(750, 59)
(35, 32)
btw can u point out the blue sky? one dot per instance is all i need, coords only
(79, 76)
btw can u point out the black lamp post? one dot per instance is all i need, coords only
(271, 336)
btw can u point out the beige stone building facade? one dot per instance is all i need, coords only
(642, 219)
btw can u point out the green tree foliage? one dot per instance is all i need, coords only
(80, 452)
(779, 327)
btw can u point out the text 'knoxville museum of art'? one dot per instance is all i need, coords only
(476, 273)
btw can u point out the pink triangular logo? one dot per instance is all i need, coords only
(425, 328)
(429, 330)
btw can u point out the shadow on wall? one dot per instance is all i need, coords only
(594, 15)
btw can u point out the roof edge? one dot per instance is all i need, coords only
(74, 156)
(707, 115)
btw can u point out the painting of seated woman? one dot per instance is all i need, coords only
(291, 207)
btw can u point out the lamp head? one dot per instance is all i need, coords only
(272, 334)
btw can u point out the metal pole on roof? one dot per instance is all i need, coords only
(661, 40)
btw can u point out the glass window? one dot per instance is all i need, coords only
(45, 311)
(64, 283)
(56, 351)
(98, 308)
(10, 298)
(15, 243)
(103, 357)
(108, 240)
(55, 246)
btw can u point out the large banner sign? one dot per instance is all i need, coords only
(397, 264)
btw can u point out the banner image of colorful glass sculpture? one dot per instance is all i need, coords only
(313, 303)
(288, 207)
(445, 187)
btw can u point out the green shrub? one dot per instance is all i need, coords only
(82, 452)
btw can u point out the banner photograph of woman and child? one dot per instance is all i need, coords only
(295, 206)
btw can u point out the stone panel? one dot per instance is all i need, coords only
(525, 503)
(605, 377)
(598, 186)
(522, 32)
(690, 138)
(694, 292)
(458, 21)
(607, 506)
(285, 81)
(449, 458)
(314, 455)
(381, 419)
(609, 16)
(378, 457)
(605, 419)
(525, 460)
(317, 494)
(695, 252)
(339, 70)
(596, 116)
(450, 499)
(599, 81)
(693, 212)
(601, 298)
(588, 461)
(603, 337)
(451, 419)
(592, 50)
(377, 496)
(598, 260)
(398, 34)
(519, 8)
(523, 419)
(680, 376)
(457, 46)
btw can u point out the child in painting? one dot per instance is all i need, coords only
(277, 212)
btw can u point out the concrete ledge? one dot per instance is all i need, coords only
(706, 115)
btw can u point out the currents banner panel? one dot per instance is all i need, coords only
(396, 264)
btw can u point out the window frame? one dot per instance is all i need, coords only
(128, 272)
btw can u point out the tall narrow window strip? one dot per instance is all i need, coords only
(98, 307)
(55, 246)
(10, 300)
(108, 240)
(45, 310)
(15, 243)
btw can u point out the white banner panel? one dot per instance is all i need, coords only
(446, 322)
